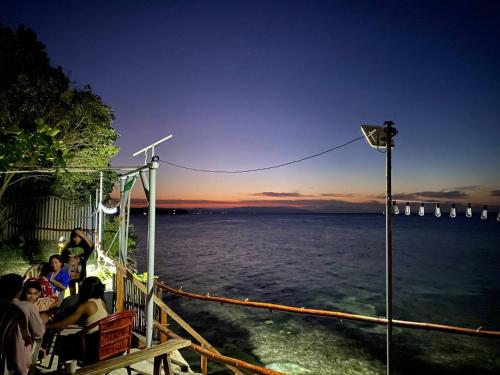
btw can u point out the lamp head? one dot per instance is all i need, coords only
(376, 136)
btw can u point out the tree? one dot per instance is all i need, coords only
(20, 148)
(45, 121)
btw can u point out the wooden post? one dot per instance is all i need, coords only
(204, 363)
(163, 322)
(120, 295)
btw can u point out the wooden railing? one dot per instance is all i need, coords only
(480, 331)
(157, 352)
(164, 312)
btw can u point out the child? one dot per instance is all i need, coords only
(32, 292)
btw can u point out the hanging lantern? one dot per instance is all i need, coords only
(453, 211)
(484, 213)
(407, 209)
(395, 208)
(437, 213)
(421, 210)
(468, 211)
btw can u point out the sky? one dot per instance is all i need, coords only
(247, 84)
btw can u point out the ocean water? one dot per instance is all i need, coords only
(445, 271)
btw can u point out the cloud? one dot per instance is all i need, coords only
(273, 194)
(442, 194)
(468, 188)
(336, 195)
(452, 194)
(495, 193)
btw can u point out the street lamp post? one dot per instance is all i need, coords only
(381, 137)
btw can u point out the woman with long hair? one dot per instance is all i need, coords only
(91, 308)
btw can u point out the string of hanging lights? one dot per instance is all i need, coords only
(437, 209)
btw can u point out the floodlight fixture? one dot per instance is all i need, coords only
(151, 147)
(376, 136)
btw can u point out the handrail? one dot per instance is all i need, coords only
(332, 314)
(116, 363)
(219, 357)
(172, 314)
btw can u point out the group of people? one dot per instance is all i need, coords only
(38, 306)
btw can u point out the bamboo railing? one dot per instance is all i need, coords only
(204, 349)
(218, 357)
(333, 314)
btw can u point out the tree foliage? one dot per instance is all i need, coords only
(46, 121)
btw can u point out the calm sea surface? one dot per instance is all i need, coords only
(445, 271)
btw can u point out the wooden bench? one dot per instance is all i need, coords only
(156, 351)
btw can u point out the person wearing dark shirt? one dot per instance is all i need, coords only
(75, 255)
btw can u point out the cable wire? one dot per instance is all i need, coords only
(263, 168)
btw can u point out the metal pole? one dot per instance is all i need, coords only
(127, 225)
(99, 242)
(388, 240)
(94, 217)
(151, 249)
(122, 221)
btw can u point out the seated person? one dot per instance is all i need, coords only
(10, 289)
(91, 308)
(58, 277)
(32, 292)
(75, 255)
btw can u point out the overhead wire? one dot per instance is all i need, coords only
(262, 168)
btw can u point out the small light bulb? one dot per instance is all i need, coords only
(498, 216)
(395, 208)
(484, 213)
(453, 211)
(468, 211)
(407, 209)
(438, 210)
(421, 210)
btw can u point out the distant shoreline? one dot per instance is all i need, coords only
(241, 211)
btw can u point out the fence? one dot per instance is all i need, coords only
(45, 218)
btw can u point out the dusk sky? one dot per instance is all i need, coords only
(246, 84)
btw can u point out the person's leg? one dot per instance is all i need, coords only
(68, 347)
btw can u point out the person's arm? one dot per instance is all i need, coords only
(71, 319)
(35, 323)
(87, 250)
(63, 281)
(84, 237)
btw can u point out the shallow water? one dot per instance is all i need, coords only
(445, 271)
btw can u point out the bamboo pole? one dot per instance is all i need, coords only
(204, 363)
(222, 358)
(335, 314)
(120, 295)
